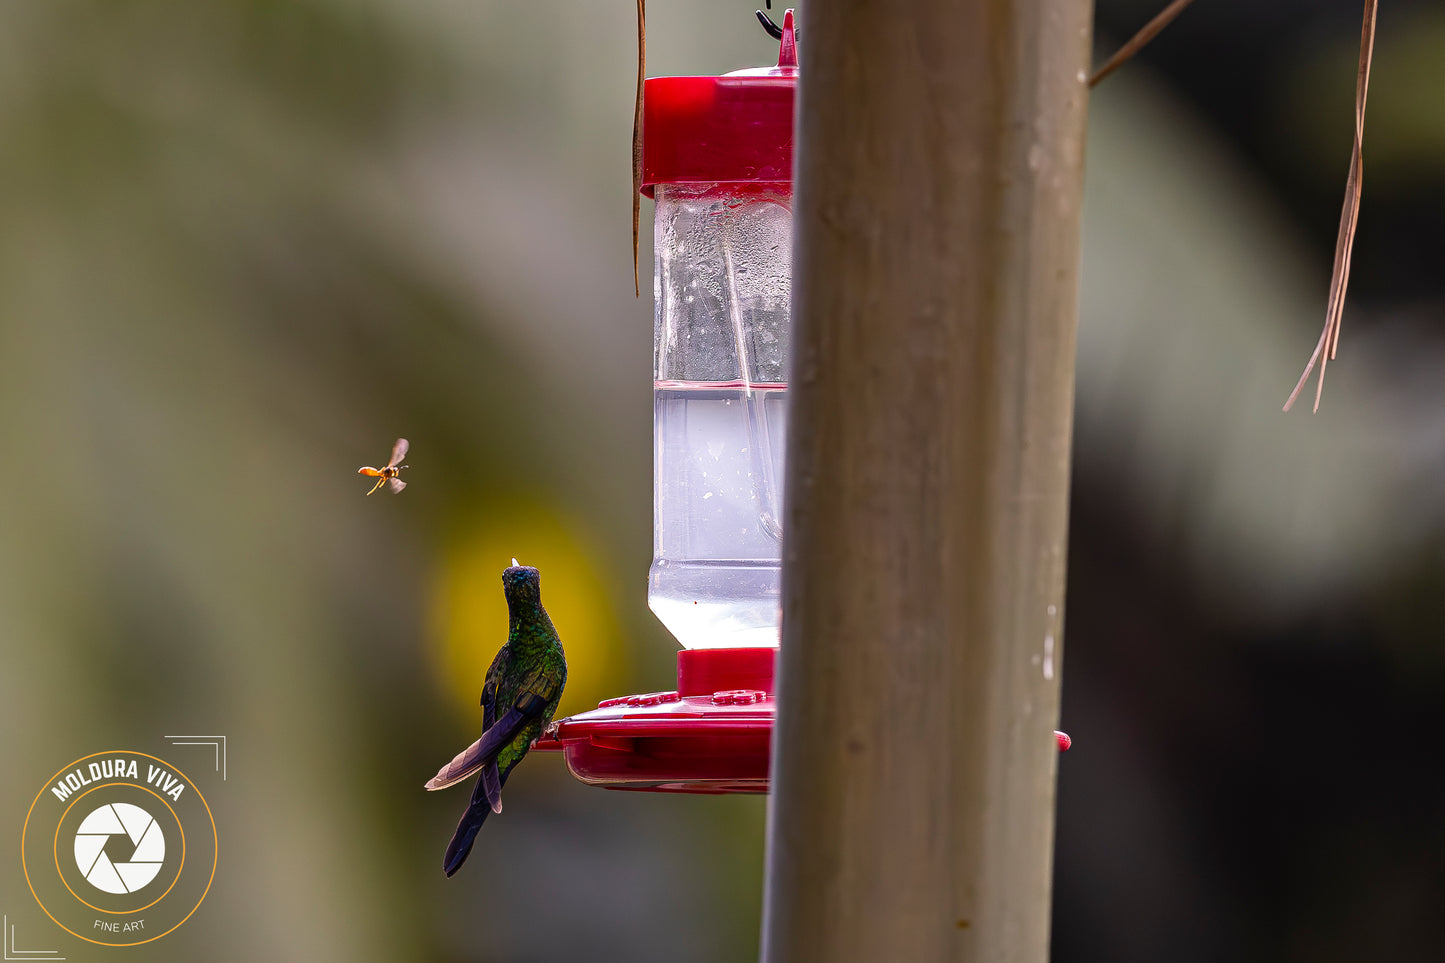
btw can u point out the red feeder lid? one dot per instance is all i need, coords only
(712, 735)
(717, 130)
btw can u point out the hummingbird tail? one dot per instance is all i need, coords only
(489, 786)
(462, 839)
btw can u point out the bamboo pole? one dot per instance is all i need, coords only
(938, 187)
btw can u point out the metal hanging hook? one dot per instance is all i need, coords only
(774, 31)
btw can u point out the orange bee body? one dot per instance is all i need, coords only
(387, 475)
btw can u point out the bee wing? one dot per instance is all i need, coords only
(398, 452)
(396, 485)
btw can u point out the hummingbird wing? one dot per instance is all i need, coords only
(487, 795)
(490, 783)
(484, 750)
(530, 705)
(488, 790)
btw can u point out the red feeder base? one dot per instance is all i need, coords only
(711, 735)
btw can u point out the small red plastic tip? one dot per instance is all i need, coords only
(788, 47)
(1064, 741)
(652, 699)
(738, 697)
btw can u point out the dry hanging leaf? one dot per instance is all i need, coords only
(1137, 42)
(637, 141)
(1349, 219)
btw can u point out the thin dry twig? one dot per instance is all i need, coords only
(637, 140)
(1137, 42)
(1349, 218)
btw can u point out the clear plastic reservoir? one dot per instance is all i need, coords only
(723, 297)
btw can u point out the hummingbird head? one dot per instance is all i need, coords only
(522, 585)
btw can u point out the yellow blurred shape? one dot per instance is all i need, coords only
(469, 613)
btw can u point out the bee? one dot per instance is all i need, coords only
(393, 468)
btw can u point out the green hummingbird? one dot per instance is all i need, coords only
(520, 693)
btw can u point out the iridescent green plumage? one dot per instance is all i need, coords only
(519, 696)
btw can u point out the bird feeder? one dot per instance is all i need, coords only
(717, 159)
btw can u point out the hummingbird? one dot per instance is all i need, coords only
(519, 696)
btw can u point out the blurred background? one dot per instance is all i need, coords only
(245, 244)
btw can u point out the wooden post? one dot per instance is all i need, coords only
(939, 179)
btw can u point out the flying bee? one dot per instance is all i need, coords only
(393, 468)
